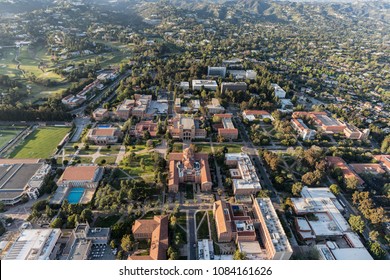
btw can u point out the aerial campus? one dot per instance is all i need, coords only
(194, 130)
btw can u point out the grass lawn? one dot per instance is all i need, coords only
(90, 151)
(8, 133)
(109, 160)
(134, 168)
(106, 221)
(198, 217)
(83, 159)
(112, 150)
(41, 143)
(203, 231)
(232, 148)
(182, 219)
(135, 148)
(203, 148)
(177, 148)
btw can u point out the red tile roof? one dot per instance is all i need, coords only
(256, 112)
(158, 228)
(79, 173)
(338, 162)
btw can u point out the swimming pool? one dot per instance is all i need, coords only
(75, 195)
(104, 126)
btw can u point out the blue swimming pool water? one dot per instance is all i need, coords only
(104, 126)
(75, 195)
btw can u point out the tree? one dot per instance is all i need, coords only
(146, 135)
(377, 250)
(57, 223)
(108, 147)
(173, 221)
(352, 182)
(113, 244)
(126, 243)
(357, 224)
(2, 207)
(65, 162)
(75, 147)
(335, 189)
(86, 215)
(239, 255)
(297, 188)
(86, 147)
(373, 235)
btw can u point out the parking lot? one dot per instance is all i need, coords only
(101, 252)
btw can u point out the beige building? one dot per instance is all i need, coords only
(189, 167)
(101, 114)
(272, 233)
(186, 128)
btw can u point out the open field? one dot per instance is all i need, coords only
(7, 134)
(134, 168)
(29, 63)
(41, 143)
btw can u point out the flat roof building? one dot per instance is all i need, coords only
(237, 86)
(216, 71)
(124, 110)
(207, 84)
(272, 233)
(278, 91)
(21, 177)
(34, 244)
(252, 115)
(215, 107)
(329, 227)
(101, 114)
(249, 182)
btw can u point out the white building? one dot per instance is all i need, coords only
(245, 179)
(207, 84)
(328, 227)
(279, 92)
(272, 233)
(34, 244)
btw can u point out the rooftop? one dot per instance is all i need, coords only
(33, 244)
(275, 229)
(79, 173)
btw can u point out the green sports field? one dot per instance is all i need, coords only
(41, 143)
(7, 134)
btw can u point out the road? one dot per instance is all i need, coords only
(252, 151)
(97, 98)
(191, 238)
